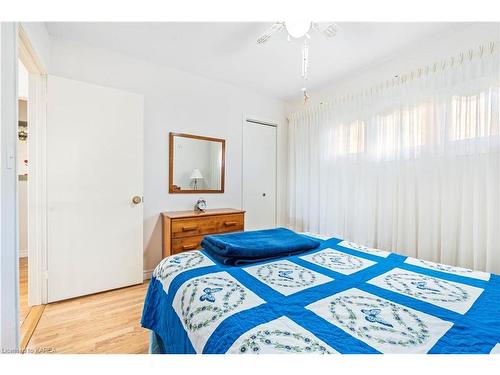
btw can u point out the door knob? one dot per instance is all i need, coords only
(263, 194)
(136, 200)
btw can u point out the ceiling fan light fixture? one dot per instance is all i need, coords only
(298, 29)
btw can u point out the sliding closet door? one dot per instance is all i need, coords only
(259, 175)
(94, 171)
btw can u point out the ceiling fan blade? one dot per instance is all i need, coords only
(275, 27)
(328, 29)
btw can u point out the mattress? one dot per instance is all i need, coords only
(339, 298)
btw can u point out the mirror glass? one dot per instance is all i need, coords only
(196, 164)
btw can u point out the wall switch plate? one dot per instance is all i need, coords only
(10, 157)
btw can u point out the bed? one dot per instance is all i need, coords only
(338, 298)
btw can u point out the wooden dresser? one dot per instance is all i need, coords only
(184, 230)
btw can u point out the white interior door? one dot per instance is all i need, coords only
(94, 169)
(259, 175)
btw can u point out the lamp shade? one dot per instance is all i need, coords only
(195, 174)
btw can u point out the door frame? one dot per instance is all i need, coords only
(37, 190)
(9, 257)
(257, 120)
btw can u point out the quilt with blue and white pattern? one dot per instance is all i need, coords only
(339, 298)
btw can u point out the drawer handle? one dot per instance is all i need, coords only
(189, 228)
(190, 247)
(230, 223)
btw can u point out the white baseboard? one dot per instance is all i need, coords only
(23, 253)
(146, 274)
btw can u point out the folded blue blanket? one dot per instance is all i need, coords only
(252, 246)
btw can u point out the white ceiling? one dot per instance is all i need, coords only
(228, 51)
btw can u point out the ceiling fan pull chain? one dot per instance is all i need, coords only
(305, 59)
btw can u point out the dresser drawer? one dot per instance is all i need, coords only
(180, 245)
(206, 225)
(229, 223)
(193, 226)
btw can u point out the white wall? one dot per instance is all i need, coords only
(179, 102)
(405, 61)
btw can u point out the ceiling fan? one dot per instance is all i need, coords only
(299, 30)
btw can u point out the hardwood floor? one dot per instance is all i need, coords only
(29, 324)
(28, 316)
(107, 322)
(23, 289)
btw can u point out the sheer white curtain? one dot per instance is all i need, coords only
(411, 167)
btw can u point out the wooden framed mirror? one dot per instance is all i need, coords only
(196, 164)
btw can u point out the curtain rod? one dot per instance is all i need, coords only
(477, 52)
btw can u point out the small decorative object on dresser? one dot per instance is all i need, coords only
(184, 230)
(201, 205)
